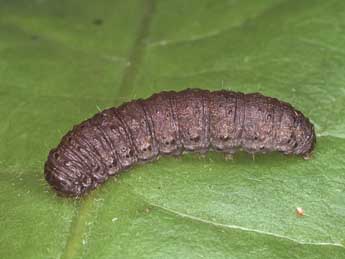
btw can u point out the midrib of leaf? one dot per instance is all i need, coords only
(136, 53)
(78, 228)
(79, 224)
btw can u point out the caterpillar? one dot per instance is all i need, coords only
(169, 123)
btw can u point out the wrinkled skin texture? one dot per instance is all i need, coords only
(169, 123)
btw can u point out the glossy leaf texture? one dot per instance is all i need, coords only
(63, 61)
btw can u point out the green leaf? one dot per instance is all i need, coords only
(63, 61)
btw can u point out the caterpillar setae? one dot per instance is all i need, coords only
(168, 123)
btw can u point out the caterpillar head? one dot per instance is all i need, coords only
(305, 137)
(296, 134)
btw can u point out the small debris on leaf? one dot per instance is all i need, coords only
(299, 212)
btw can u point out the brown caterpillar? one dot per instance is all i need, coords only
(169, 123)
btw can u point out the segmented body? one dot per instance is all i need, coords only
(169, 123)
